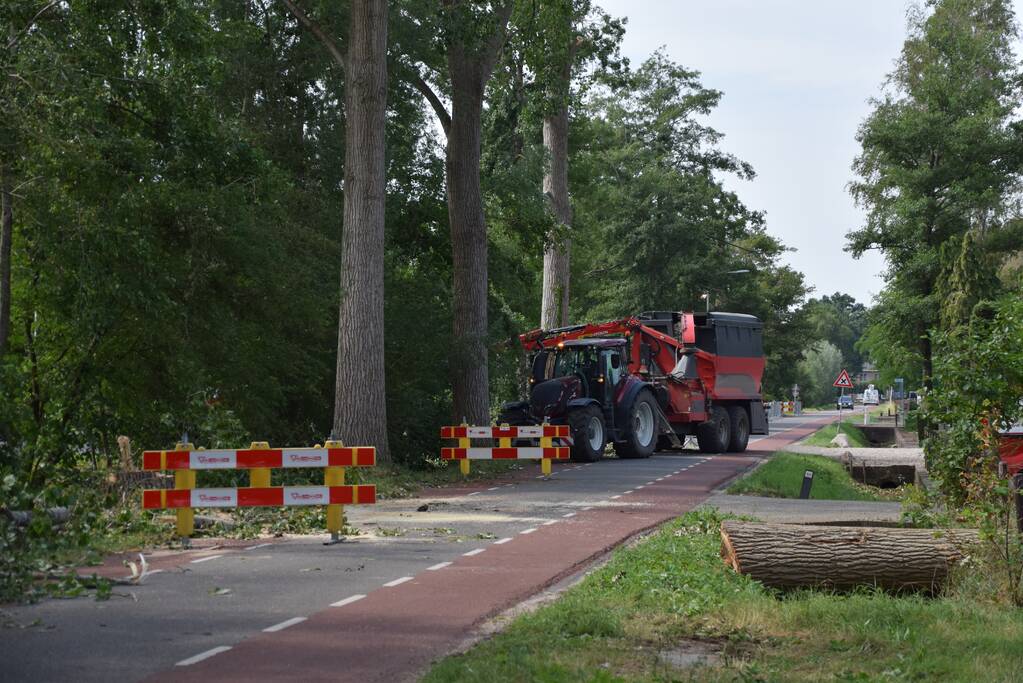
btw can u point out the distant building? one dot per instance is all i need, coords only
(868, 375)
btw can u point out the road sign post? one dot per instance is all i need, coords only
(843, 382)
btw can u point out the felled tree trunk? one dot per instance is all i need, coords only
(790, 556)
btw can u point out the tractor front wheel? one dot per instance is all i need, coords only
(588, 434)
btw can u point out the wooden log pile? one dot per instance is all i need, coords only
(791, 556)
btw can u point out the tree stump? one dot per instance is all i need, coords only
(791, 556)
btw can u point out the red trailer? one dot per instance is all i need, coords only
(647, 380)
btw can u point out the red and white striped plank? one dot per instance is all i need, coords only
(275, 496)
(534, 453)
(251, 458)
(495, 432)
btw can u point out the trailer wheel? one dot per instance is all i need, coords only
(588, 434)
(641, 437)
(714, 435)
(740, 429)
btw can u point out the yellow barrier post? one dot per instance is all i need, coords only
(334, 476)
(185, 479)
(259, 477)
(464, 442)
(546, 442)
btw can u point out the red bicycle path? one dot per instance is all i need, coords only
(394, 633)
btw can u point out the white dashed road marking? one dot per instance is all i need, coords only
(283, 625)
(348, 600)
(206, 559)
(203, 655)
(528, 531)
(568, 514)
(437, 566)
(261, 545)
(502, 541)
(397, 582)
(473, 552)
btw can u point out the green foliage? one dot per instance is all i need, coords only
(978, 385)
(839, 320)
(941, 155)
(819, 368)
(782, 477)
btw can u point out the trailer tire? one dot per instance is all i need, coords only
(641, 437)
(740, 429)
(589, 436)
(714, 435)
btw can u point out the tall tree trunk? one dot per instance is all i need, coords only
(6, 234)
(469, 70)
(360, 410)
(470, 374)
(557, 249)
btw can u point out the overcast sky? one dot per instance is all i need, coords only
(796, 77)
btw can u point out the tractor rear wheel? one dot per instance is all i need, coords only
(588, 434)
(641, 437)
(740, 429)
(714, 435)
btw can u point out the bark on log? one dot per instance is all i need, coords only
(790, 556)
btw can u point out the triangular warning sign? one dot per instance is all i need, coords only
(843, 380)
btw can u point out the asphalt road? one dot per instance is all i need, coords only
(380, 606)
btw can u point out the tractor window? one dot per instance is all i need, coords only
(580, 359)
(613, 373)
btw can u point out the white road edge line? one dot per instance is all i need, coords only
(493, 488)
(203, 655)
(649, 483)
(568, 514)
(615, 497)
(641, 486)
(261, 545)
(473, 552)
(502, 541)
(528, 531)
(347, 601)
(550, 521)
(398, 582)
(475, 493)
(284, 624)
(206, 559)
(628, 492)
(439, 565)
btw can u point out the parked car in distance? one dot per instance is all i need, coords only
(844, 403)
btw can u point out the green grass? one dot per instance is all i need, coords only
(824, 435)
(782, 477)
(673, 588)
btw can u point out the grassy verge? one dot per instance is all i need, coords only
(782, 477)
(824, 435)
(672, 593)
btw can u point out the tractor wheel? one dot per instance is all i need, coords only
(641, 437)
(714, 435)
(588, 434)
(740, 429)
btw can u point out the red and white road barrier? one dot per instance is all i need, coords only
(259, 459)
(513, 453)
(504, 431)
(504, 434)
(251, 458)
(274, 496)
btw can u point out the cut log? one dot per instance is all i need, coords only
(790, 555)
